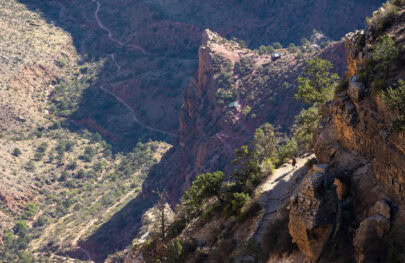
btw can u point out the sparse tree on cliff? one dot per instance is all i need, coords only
(204, 187)
(317, 84)
(162, 217)
(266, 141)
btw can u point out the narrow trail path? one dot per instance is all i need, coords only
(112, 39)
(276, 191)
(134, 118)
(110, 34)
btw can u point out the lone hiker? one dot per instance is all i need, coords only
(294, 162)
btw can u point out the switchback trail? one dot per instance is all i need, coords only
(112, 39)
(135, 119)
(110, 34)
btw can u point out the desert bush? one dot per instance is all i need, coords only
(30, 166)
(225, 96)
(277, 45)
(266, 49)
(16, 152)
(234, 206)
(42, 147)
(21, 228)
(38, 156)
(31, 209)
(89, 153)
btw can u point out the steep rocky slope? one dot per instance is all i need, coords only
(58, 182)
(234, 92)
(358, 139)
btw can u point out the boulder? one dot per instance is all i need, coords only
(313, 214)
(381, 208)
(368, 239)
(320, 168)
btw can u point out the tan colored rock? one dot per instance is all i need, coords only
(320, 168)
(381, 208)
(313, 215)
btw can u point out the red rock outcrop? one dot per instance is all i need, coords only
(211, 131)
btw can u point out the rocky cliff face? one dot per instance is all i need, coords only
(366, 156)
(234, 91)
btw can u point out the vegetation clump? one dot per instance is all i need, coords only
(16, 152)
(384, 54)
(395, 99)
(384, 17)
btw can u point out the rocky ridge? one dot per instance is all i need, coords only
(366, 161)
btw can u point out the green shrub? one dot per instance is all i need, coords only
(304, 126)
(317, 84)
(204, 187)
(42, 147)
(30, 166)
(21, 228)
(234, 206)
(16, 152)
(266, 49)
(384, 54)
(277, 45)
(41, 221)
(38, 156)
(225, 96)
(31, 209)
(292, 48)
(89, 153)
(395, 99)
